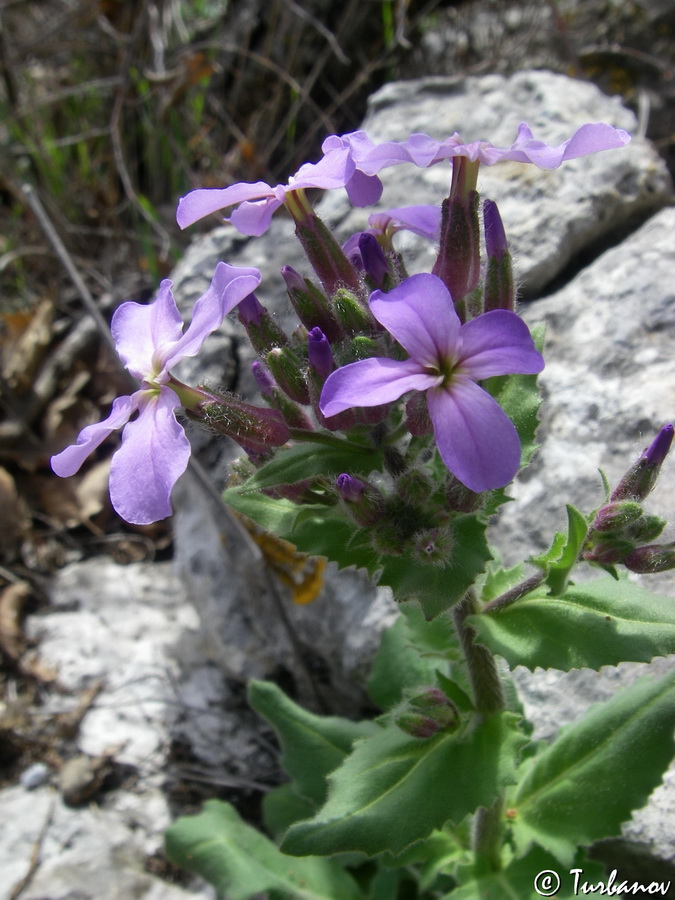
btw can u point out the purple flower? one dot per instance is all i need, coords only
(476, 439)
(150, 340)
(424, 151)
(256, 202)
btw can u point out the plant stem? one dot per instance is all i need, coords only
(322, 437)
(488, 699)
(516, 593)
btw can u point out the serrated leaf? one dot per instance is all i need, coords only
(590, 779)
(241, 862)
(517, 881)
(563, 555)
(307, 460)
(597, 623)
(312, 745)
(498, 581)
(324, 531)
(394, 790)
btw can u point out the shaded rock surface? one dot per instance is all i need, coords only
(174, 645)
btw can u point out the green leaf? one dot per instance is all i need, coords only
(498, 581)
(411, 653)
(590, 779)
(597, 623)
(564, 552)
(517, 881)
(312, 745)
(394, 789)
(241, 862)
(282, 806)
(325, 531)
(307, 460)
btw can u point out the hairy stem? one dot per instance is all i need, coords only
(488, 699)
(516, 593)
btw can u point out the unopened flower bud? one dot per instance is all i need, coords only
(288, 371)
(414, 486)
(615, 516)
(293, 415)
(320, 355)
(645, 529)
(263, 332)
(328, 260)
(364, 502)
(608, 552)
(254, 429)
(433, 546)
(352, 315)
(639, 480)
(367, 256)
(500, 291)
(651, 559)
(310, 303)
(427, 714)
(460, 498)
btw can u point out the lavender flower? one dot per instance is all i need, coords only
(476, 439)
(150, 340)
(424, 151)
(256, 202)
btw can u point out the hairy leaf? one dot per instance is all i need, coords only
(394, 789)
(597, 623)
(312, 745)
(589, 780)
(562, 557)
(241, 862)
(307, 460)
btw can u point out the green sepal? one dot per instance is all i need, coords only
(312, 746)
(517, 880)
(572, 793)
(391, 778)
(241, 862)
(596, 623)
(563, 554)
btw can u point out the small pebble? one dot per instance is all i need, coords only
(34, 776)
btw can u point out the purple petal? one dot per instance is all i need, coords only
(363, 190)
(139, 329)
(229, 286)
(476, 439)
(254, 218)
(424, 220)
(153, 455)
(202, 202)
(372, 382)
(589, 138)
(420, 314)
(68, 461)
(334, 170)
(498, 343)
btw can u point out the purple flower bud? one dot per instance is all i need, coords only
(256, 430)
(615, 516)
(288, 372)
(250, 310)
(652, 559)
(263, 378)
(495, 236)
(350, 489)
(639, 480)
(657, 451)
(294, 280)
(373, 259)
(418, 725)
(320, 354)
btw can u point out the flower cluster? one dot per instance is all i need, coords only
(370, 337)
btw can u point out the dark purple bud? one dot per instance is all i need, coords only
(495, 236)
(639, 480)
(255, 429)
(608, 552)
(364, 502)
(250, 310)
(657, 451)
(374, 261)
(652, 559)
(458, 260)
(350, 489)
(428, 713)
(320, 354)
(417, 725)
(294, 280)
